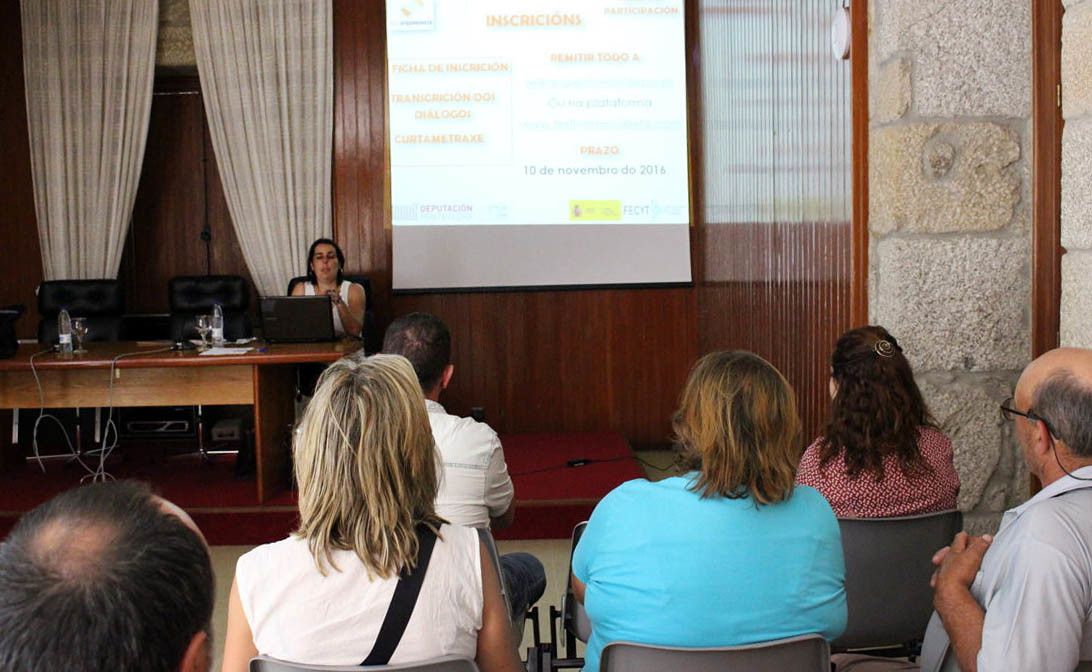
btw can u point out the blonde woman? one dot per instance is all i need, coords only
(730, 553)
(367, 477)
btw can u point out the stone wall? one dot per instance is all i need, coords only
(949, 219)
(174, 49)
(1076, 311)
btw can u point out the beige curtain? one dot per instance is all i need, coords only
(266, 71)
(89, 67)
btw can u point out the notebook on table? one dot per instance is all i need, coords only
(297, 319)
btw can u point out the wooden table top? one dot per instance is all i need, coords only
(145, 354)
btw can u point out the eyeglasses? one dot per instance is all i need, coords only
(1010, 413)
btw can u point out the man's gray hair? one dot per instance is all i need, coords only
(1065, 403)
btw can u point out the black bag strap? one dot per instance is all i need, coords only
(403, 602)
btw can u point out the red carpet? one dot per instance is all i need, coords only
(551, 497)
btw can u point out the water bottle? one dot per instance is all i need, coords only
(217, 325)
(64, 332)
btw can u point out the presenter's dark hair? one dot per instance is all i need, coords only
(425, 341)
(311, 255)
(877, 409)
(102, 578)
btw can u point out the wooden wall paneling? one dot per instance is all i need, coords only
(1046, 281)
(587, 360)
(656, 343)
(179, 192)
(360, 220)
(169, 210)
(20, 252)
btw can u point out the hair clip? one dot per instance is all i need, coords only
(884, 348)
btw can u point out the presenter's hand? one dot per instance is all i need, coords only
(335, 298)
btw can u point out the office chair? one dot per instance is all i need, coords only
(443, 664)
(574, 623)
(193, 295)
(806, 653)
(101, 304)
(872, 546)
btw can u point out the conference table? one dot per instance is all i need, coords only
(150, 374)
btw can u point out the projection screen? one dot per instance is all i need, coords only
(537, 143)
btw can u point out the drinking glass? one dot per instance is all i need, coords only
(79, 331)
(204, 328)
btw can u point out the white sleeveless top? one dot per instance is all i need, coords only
(298, 615)
(343, 291)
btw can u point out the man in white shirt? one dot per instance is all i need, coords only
(1022, 599)
(475, 489)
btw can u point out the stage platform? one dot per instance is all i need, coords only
(558, 480)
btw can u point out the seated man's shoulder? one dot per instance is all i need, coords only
(463, 437)
(1068, 516)
(470, 429)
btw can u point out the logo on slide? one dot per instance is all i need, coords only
(412, 15)
(595, 211)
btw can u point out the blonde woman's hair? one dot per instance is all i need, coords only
(366, 465)
(737, 424)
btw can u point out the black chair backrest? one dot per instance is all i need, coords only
(574, 618)
(9, 344)
(888, 565)
(100, 302)
(193, 295)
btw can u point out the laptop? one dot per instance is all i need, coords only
(297, 319)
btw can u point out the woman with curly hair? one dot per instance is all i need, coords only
(881, 454)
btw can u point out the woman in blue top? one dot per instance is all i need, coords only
(731, 553)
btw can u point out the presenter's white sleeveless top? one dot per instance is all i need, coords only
(343, 290)
(296, 614)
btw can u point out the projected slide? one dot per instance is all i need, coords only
(509, 115)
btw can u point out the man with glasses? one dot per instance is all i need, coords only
(1022, 599)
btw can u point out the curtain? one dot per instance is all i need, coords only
(89, 68)
(267, 76)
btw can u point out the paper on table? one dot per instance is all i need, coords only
(214, 352)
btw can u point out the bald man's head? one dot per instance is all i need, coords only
(107, 577)
(1057, 387)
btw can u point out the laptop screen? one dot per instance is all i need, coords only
(297, 319)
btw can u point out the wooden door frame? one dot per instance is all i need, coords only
(1046, 171)
(858, 54)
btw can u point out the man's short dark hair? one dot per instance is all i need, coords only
(102, 578)
(1065, 403)
(424, 340)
